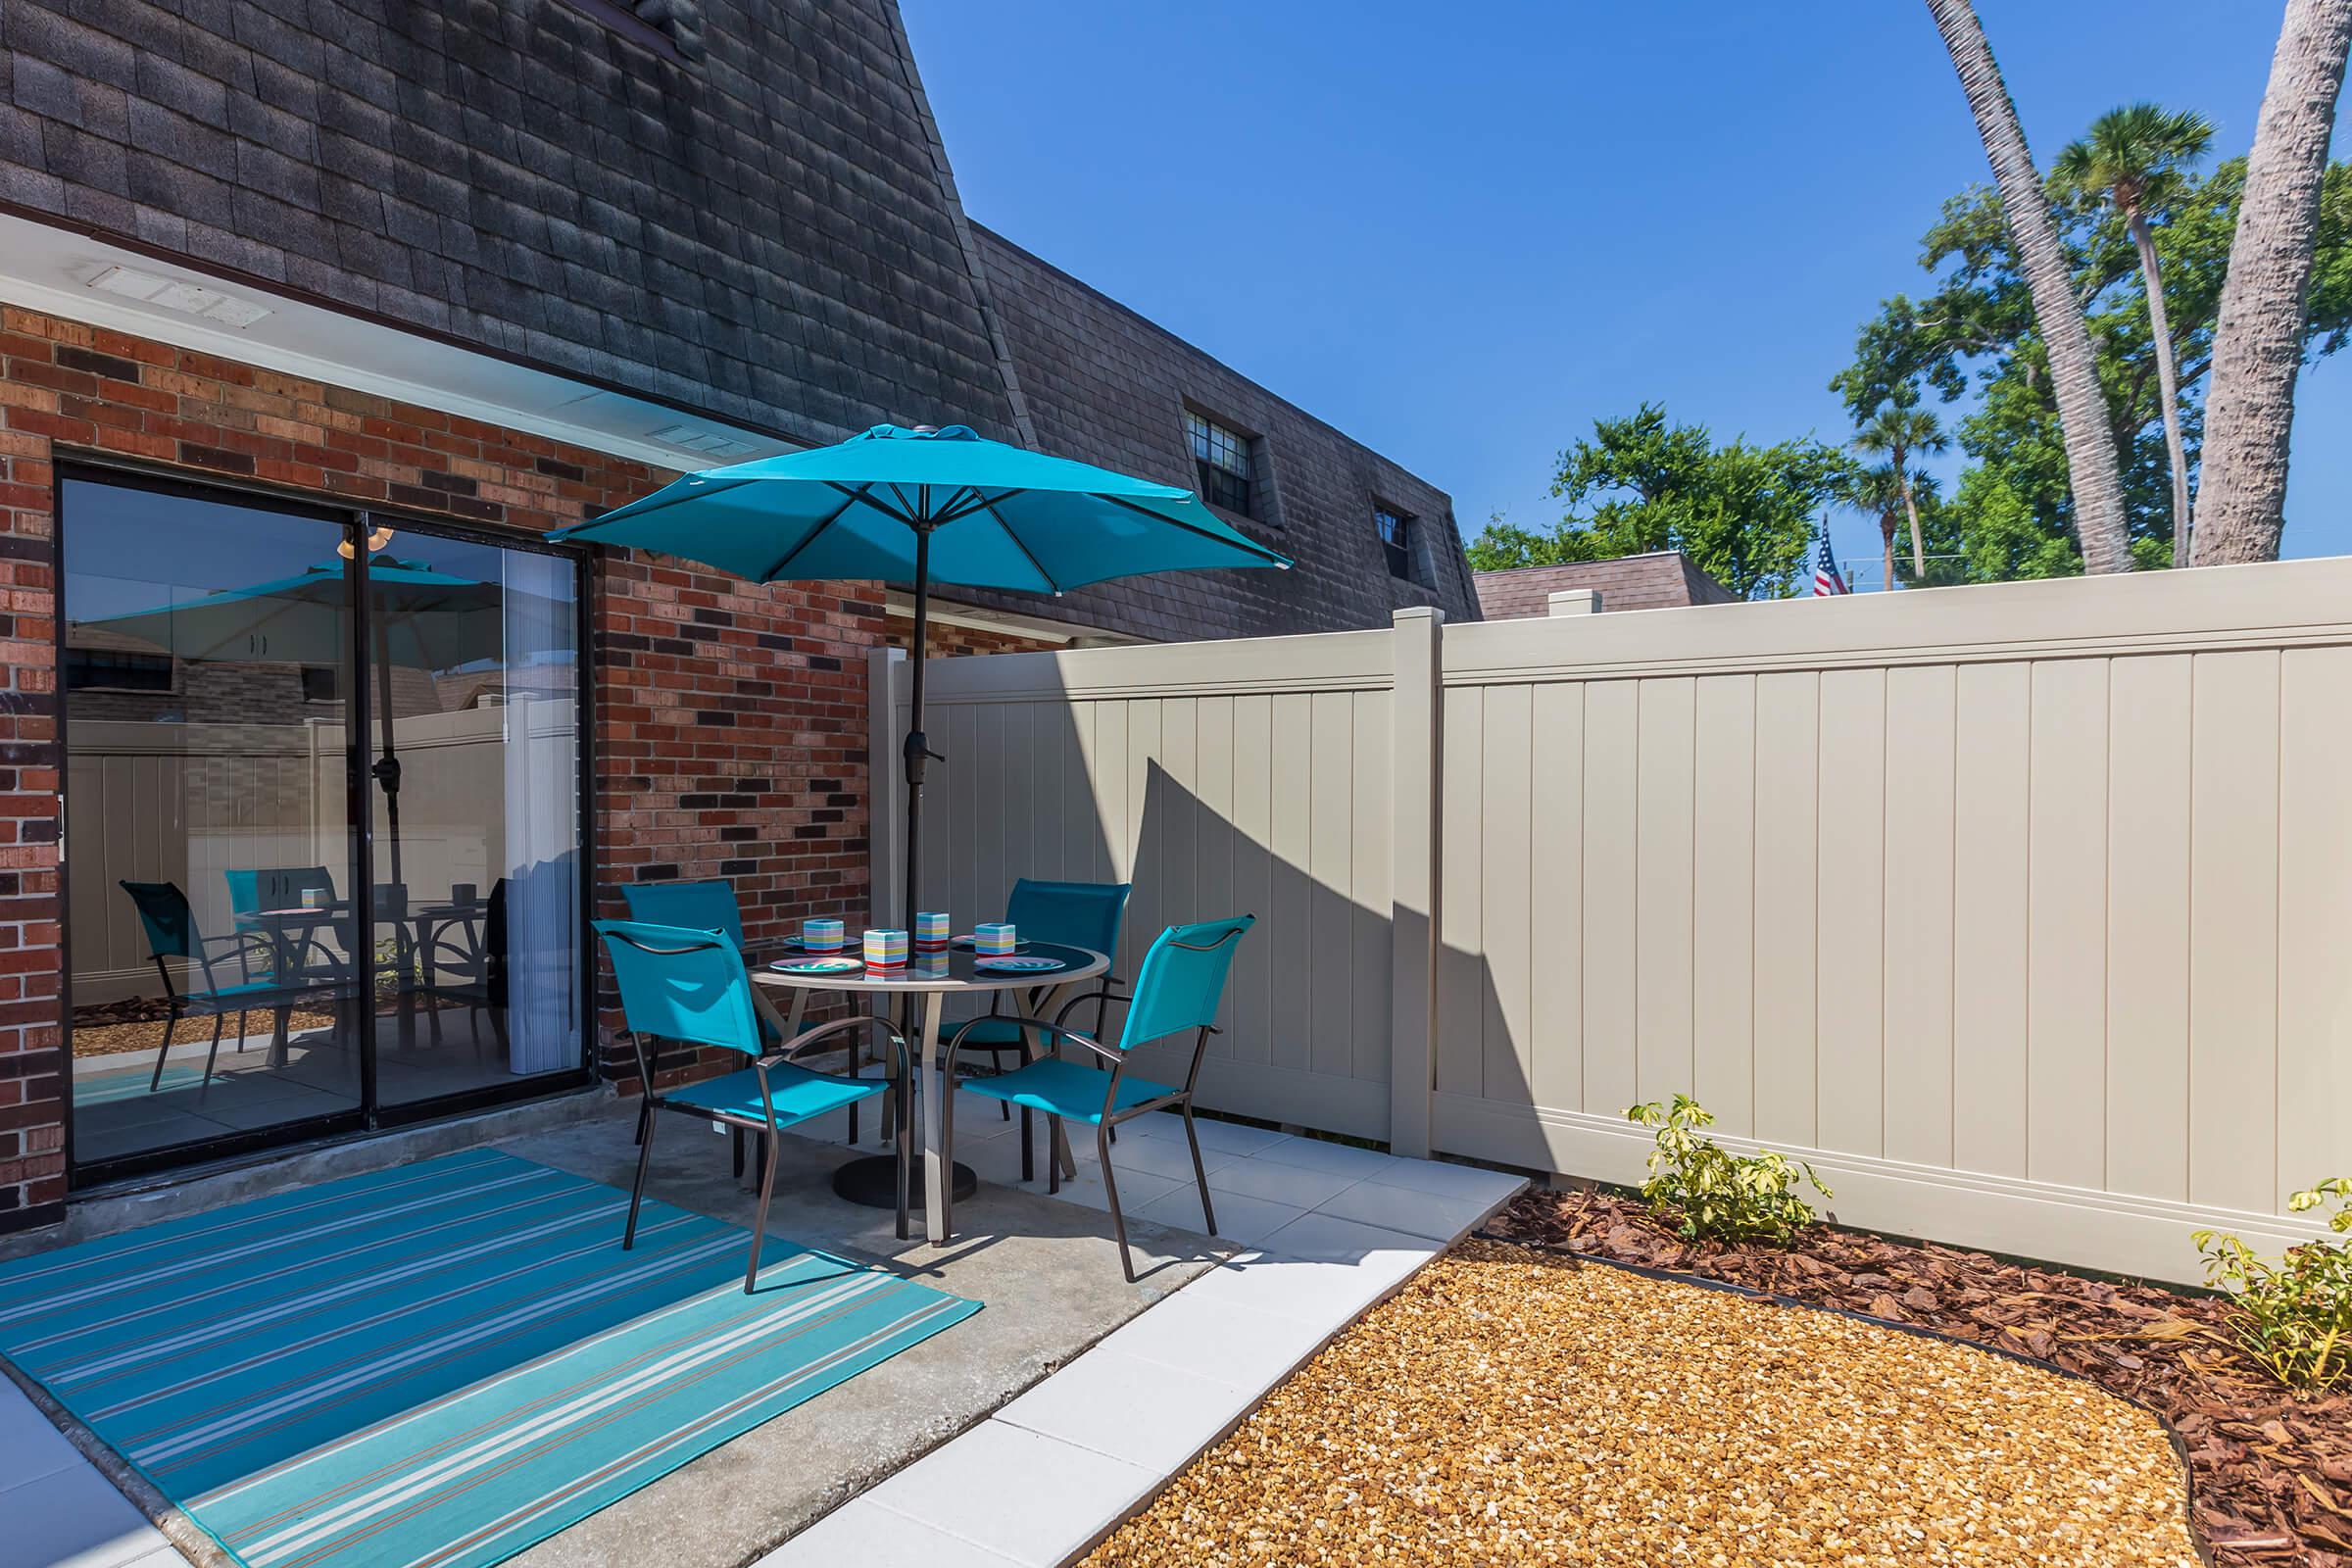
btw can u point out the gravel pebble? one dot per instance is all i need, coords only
(1511, 1406)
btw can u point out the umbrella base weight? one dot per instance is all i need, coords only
(874, 1182)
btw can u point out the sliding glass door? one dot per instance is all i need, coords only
(322, 821)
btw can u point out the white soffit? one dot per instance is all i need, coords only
(86, 279)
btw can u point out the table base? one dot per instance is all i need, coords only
(873, 1183)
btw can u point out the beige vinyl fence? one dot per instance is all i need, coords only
(186, 803)
(2023, 911)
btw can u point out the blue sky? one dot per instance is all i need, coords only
(1462, 235)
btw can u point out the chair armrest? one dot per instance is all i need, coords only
(1051, 1031)
(1103, 998)
(808, 1038)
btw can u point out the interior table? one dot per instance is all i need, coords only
(928, 985)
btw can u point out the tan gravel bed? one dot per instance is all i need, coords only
(1512, 1407)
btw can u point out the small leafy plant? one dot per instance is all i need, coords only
(2293, 1316)
(1718, 1196)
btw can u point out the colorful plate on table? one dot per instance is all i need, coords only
(817, 966)
(966, 942)
(1018, 965)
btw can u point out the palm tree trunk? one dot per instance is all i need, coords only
(2167, 382)
(1886, 541)
(2258, 339)
(2100, 526)
(1919, 543)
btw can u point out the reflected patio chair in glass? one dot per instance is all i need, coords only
(1177, 990)
(169, 925)
(253, 890)
(691, 986)
(1072, 914)
(469, 963)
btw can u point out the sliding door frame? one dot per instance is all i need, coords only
(367, 1116)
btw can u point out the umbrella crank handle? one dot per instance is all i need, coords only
(385, 771)
(918, 754)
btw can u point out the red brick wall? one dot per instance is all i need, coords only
(730, 725)
(958, 642)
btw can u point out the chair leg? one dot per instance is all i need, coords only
(1199, 1171)
(645, 1113)
(1054, 1154)
(735, 1135)
(768, 1187)
(906, 1173)
(1111, 1190)
(1028, 1154)
(171, 1023)
(853, 1124)
(645, 1157)
(214, 1054)
(240, 1031)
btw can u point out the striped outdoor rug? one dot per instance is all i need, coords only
(438, 1364)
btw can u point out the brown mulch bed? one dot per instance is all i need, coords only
(2271, 1472)
(106, 1028)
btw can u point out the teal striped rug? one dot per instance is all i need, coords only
(438, 1364)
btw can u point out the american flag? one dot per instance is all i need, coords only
(1827, 579)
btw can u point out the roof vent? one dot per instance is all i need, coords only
(189, 299)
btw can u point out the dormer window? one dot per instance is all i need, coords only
(1221, 463)
(1395, 530)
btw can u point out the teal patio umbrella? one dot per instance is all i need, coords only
(925, 506)
(424, 618)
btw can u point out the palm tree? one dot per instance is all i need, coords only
(1895, 432)
(2135, 158)
(1877, 492)
(2093, 473)
(2258, 339)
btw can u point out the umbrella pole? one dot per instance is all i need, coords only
(388, 776)
(873, 1180)
(916, 752)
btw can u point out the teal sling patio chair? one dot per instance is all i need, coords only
(707, 906)
(691, 986)
(1177, 990)
(169, 925)
(1069, 914)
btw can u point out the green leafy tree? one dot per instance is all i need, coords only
(1744, 513)
(1972, 340)
(2134, 157)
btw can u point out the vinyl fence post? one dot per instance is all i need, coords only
(1417, 714)
(885, 807)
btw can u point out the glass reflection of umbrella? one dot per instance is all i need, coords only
(422, 619)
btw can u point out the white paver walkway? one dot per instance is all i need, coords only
(1329, 1230)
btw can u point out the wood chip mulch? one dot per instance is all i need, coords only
(1510, 1406)
(2271, 1472)
(108, 1028)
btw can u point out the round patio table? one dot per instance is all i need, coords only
(873, 1181)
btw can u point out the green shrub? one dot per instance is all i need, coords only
(2294, 1316)
(1718, 1196)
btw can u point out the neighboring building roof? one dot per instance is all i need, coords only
(1106, 385)
(749, 216)
(1662, 579)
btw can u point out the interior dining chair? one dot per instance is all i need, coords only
(691, 986)
(1177, 990)
(169, 925)
(1070, 914)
